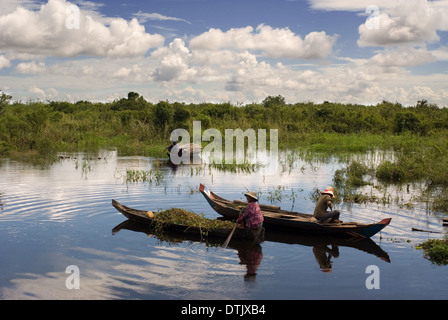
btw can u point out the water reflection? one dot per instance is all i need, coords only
(323, 255)
(59, 215)
(250, 253)
(250, 256)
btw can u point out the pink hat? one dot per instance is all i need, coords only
(329, 191)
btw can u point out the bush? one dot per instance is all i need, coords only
(408, 121)
(163, 114)
(390, 172)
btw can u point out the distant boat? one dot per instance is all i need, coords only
(193, 152)
(276, 218)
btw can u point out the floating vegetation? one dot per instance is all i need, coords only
(280, 193)
(246, 167)
(190, 219)
(135, 176)
(436, 251)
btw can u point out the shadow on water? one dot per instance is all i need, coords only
(250, 253)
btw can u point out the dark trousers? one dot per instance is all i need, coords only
(330, 215)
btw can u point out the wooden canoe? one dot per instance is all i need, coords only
(366, 245)
(276, 218)
(140, 216)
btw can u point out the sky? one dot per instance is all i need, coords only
(194, 51)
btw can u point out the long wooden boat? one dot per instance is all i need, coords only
(366, 245)
(141, 217)
(276, 218)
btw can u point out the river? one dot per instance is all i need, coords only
(57, 221)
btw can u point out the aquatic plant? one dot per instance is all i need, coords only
(135, 176)
(245, 167)
(436, 251)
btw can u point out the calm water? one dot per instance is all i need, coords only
(60, 215)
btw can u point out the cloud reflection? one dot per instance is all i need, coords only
(161, 273)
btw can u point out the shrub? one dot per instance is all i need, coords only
(408, 121)
(390, 172)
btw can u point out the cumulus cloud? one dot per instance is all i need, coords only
(411, 21)
(32, 67)
(174, 64)
(273, 42)
(4, 62)
(408, 57)
(132, 73)
(8, 6)
(59, 28)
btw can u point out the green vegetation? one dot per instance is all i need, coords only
(133, 176)
(190, 219)
(417, 136)
(136, 126)
(4, 101)
(436, 250)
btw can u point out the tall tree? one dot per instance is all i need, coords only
(4, 100)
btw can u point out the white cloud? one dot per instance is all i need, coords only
(174, 62)
(32, 67)
(274, 43)
(407, 57)
(144, 17)
(132, 73)
(57, 29)
(38, 92)
(441, 53)
(410, 21)
(349, 5)
(4, 62)
(8, 6)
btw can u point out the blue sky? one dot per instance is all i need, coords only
(220, 51)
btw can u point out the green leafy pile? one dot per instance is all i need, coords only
(189, 219)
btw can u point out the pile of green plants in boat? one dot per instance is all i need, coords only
(176, 216)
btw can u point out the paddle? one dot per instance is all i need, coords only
(230, 236)
(231, 233)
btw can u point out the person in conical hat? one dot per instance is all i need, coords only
(252, 215)
(324, 203)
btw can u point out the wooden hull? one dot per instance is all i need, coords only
(275, 218)
(366, 245)
(140, 217)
